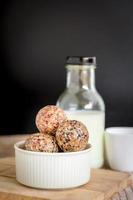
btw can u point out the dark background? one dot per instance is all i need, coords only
(36, 37)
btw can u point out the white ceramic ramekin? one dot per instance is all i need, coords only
(52, 170)
(119, 148)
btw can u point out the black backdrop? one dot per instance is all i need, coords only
(36, 38)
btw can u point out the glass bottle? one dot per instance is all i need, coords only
(82, 102)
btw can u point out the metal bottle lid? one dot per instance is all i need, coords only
(79, 60)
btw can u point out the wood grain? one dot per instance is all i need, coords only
(7, 144)
(103, 184)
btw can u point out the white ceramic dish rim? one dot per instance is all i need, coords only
(17, 147)
(120, 131)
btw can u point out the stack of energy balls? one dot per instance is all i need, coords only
(57, 133)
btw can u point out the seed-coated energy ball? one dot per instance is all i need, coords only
(42, 143)
(72, 136)
(49, 118)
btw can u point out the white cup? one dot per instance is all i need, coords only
(119, 148)
(52, 170)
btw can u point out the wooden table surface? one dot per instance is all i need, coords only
(7, 150)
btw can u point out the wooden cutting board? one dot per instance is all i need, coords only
(103, 184)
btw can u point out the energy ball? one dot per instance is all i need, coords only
(49, 118)
(41, 143)
(72, 136)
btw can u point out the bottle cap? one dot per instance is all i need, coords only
(79, 60)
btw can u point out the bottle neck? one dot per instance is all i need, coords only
(80, 77)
